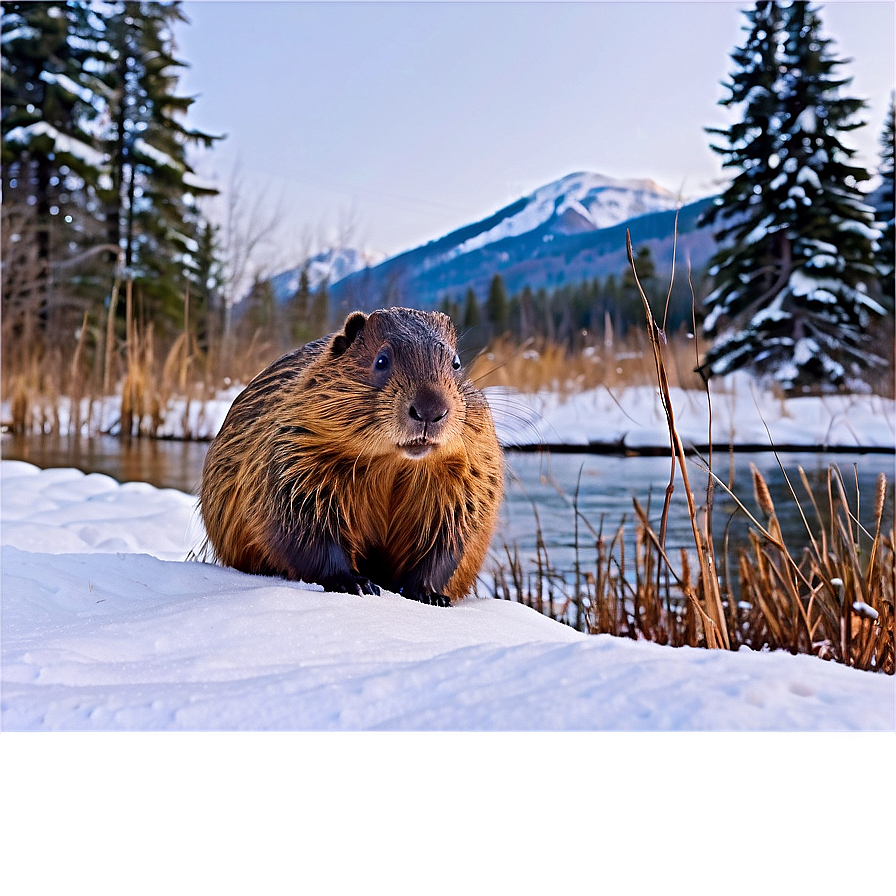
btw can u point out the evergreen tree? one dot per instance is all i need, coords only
(886, 213)
(629, 305)
(299, 310)
(320, 311)
(94, 152)
(450, 307)
(52, 96)
(790, 297)
(472, 317)
(496, 306)
(261, 309)
(527, 313)
(150, 209)
(207, 286)
(610, 294)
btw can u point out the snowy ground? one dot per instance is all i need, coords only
(106, 627)
(741, 414)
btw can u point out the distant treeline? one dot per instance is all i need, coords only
(575, 314)
(572, 316)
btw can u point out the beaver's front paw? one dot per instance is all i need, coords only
(426, 597)
(349, 583)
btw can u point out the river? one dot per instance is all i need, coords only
(541, 489)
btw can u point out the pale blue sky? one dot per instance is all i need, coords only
(408, 120)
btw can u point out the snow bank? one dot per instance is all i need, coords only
(105, 626)
(741, 414)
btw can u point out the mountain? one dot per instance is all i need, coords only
(574, 204)
(331, 265)
(567, 231)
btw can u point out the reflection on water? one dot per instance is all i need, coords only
(536, 483)
(166, 464)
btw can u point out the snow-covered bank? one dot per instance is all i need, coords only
(632, 417)
(741, 415)
(106, 627)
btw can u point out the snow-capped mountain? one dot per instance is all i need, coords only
(567, 231)
(574, 204)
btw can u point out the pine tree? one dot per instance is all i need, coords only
(320, 311)
(94, 160)
(207, 286)
(150, 209)
(261, 309)
(450, 307)
(496, 306)
(886, 213)
(53, 93)
(790, 297)
(629, 305)
(299, 310)
(527, 313)
(472, 317)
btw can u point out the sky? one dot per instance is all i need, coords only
(385, 125)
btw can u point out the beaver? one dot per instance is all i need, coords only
(363, 460)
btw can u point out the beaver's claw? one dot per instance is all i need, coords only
(426, 597)
(349, 583)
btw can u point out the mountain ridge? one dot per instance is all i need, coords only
(568, 230)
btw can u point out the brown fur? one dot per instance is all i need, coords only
(332, 470)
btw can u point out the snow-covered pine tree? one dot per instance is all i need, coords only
(53, 94)
(886, 213)
(791, 278)
(150, 210)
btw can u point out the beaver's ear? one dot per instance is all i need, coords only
(354, 323)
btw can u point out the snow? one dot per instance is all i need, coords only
(68, 84)
(198, 183)
(808, 176)
(598, 200)
(106, 626)
(160, 158)
(62, 142)
(761, 230)
(22, 32)
(869, 231)
(807, 120)
(741, 414)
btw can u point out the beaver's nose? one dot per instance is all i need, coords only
(429, 406)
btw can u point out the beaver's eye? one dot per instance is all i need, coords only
(382, 362)
(456, 362)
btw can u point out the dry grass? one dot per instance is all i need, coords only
(607, 362)
(832, 597)
(50, 387)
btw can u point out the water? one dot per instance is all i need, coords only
(603, 488)
(542, 485)
(166, 464)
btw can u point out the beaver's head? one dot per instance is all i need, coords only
(402, 366)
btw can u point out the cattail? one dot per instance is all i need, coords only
(881, 495)
(761, 493)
